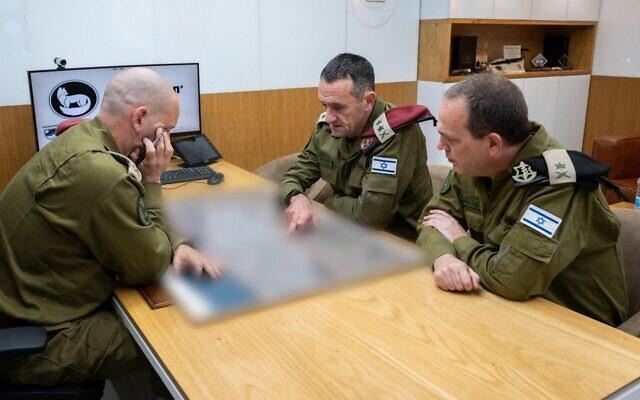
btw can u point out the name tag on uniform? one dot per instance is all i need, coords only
(540, 220)
(383, 165)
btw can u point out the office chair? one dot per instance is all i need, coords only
(31, 340)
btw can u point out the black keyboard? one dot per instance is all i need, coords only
(185, 175)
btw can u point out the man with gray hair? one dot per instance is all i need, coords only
(500, 222)
(371, 153)
(78, 215)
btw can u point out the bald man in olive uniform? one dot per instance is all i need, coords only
(79, 215)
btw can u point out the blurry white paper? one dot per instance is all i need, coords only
(246, 233)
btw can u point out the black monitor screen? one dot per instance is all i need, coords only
(57, 95)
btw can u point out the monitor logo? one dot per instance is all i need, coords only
(73, 99)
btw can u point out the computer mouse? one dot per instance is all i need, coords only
(215, 178)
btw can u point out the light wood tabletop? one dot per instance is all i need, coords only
(393, 337)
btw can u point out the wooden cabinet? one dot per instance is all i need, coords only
(435, 44)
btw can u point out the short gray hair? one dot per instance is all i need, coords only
(494, 104)
(353, 66)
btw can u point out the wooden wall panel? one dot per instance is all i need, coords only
(233, 123)
(613, 109)
(18, 141)
(289, 117)
(249, 128)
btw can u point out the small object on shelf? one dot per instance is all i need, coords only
(463, 52)
(564, 62)
(461, 71)
(539, 61)
(507, 66)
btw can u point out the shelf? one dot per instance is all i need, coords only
(528, 74)
(492, 34)
(476, 21)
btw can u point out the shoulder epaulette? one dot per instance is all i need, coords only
(132, 168)
(389, 122)
(560, 166)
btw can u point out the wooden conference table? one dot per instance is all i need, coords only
(395, 337)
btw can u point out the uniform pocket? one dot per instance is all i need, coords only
(329, 174)
(379, 183)
(522, 258)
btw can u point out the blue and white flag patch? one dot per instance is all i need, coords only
(540, 220)
(383, 165)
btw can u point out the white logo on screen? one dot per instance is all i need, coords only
(73, 99)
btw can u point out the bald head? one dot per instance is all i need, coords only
(135, 87)
(137, 103)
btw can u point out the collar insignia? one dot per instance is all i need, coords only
(523, 173)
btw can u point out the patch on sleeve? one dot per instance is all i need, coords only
(143, 214)
(541, 221)
(383, 165)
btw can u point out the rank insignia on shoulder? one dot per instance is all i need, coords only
(132, 168)
(523, 173)
(322, 119)
(143, 214)
(382, 129)
(540, 220)
(384, 165)
(560, 166)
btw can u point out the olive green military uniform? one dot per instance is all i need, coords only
(72, 219)
(391, 199)
(576, 266)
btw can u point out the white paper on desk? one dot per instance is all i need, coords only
(245, 233)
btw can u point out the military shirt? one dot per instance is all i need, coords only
(577, 266)
(381, 200)
(72, 219)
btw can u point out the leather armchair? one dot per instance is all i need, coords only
(623, 153)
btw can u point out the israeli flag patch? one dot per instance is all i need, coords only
(541, 221)
(383, 165)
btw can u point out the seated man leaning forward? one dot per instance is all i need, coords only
(78, 215)
(373, 155)
(494, 224)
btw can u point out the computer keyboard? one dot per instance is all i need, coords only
(185, 174)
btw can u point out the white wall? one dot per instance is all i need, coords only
(240, 45)
(617, 52)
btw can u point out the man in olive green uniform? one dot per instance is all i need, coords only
(378, 174)
(491, 224)
(76, 216)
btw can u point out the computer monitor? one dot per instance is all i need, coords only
(57, 95)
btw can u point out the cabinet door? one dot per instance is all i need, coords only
(471, 8)
(571, 110)
(555, 10)
(512, 9)
(541, 95)
(583, 10)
